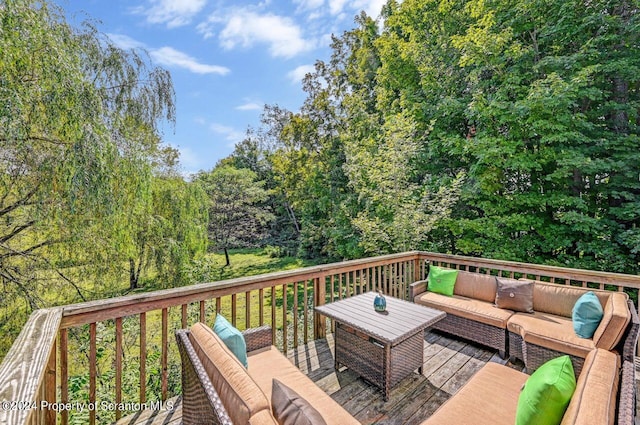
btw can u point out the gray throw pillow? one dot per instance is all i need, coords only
(516, 295)
(289, 408)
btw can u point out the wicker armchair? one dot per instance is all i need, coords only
(200, 401)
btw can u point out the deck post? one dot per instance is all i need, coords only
(320, 294)
(50, 384)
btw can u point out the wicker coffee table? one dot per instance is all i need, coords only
(383, 348)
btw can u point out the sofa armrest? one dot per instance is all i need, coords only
(417, 288)
(630, 338)
(200, 401)
(614, 324)
(257, 338)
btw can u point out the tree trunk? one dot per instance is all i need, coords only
(133, 276)
(226, 257)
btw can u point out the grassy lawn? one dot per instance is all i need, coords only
(249, 262)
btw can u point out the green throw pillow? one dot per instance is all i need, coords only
(232, 338)
(441, 280)
(587, 314)
(547, 393)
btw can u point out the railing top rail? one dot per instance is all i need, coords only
(627, 280)
(24, 366)
(81, 313)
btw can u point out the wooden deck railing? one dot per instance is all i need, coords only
(117, 335)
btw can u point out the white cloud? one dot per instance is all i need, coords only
(299, 73)
(230, 134)
(125, 42)
(188, 158)
(246, 28)
(308, 4)
(169, 56)
(336, 6)
(339, 9)
(173, 13)
(249, 106)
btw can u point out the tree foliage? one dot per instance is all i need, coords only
(507, 129)
(236, 218)
(81, 161)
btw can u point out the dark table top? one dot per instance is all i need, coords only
(401, 320)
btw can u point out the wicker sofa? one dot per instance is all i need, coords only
(532, 337)
(217, 389)
(490, 397)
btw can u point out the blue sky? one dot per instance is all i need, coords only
(227, 58)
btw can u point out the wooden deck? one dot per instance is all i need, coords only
(449, 363)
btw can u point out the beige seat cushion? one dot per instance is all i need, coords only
(594, 400)
(475, 285)
(239, 393)
(559, 299)
(489, 398)
(480, 311)
(264, 365)
(550, 331)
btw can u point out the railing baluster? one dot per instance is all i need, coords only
(165, 353)
(294, 311)
(202, 317)
(92, 371)
(183, 320)
(233, 310)
(306, 309)
(218, 305)
(261, 307)
(273, 314)
(64, 374)
(247, 309)
(143, 357)
(118, 365)
(284, 318)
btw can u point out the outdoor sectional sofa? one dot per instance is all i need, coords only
(217, 389)
(532, 337)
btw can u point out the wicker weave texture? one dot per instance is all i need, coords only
(536, 355)
(200, 401)
(627, 396)
(515, 345)
(381, 364)
(490, 336)
(630, 341)
(257, 338)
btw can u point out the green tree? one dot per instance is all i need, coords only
(79, 146)
(555, 155)
(235, 219)
(171, 232)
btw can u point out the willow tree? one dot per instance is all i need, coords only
(79, 141)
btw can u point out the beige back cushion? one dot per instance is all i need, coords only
(559, 299)
(594, 400)
(475, 285)
(614, 322)
(239, 393)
